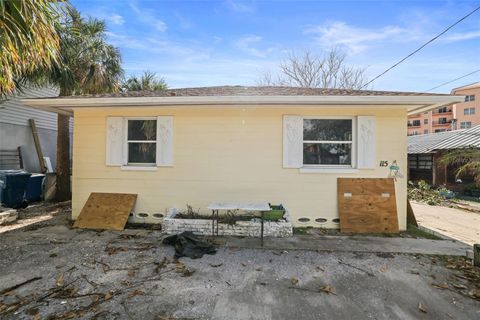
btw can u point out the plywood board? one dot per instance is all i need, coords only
(106, 211)
(367, 205)
(411, 215)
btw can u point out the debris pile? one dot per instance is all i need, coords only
(189, 245)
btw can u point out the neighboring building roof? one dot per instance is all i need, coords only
(429, 143)
(464, 138)
(233, 96)
(465, 87)
(425, 143)
(253, 91)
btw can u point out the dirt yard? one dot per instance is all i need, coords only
(460, 224)
(50, 271)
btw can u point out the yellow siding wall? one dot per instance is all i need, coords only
(228, 154)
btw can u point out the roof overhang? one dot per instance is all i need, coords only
(413, 104)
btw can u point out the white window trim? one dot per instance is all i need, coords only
(328, 168)
(136, 166)
(314, 169)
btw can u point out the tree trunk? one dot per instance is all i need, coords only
(63, 192)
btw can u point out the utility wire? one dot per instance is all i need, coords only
(445, 83)
(422, 46)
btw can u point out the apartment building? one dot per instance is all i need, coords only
(462, 115)
(467, 113)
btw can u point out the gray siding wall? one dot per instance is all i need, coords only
(12, 111)
(13, 136)
(15, 129)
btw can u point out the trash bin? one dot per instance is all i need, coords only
(13, 184)
(34, 187)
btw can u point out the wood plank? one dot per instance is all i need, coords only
(411, 215)
(10, 159)
(106, 211)
(367, 205)
(38, 147)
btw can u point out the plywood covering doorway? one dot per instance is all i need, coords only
(367, 205)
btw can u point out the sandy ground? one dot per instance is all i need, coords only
(84, 274)
(458, 224)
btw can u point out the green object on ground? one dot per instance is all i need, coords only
(273, 215)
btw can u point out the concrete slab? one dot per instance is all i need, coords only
(355, 244)
(454, 223)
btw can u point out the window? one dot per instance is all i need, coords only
(470, 98)
(420, 161)
(425, 121)
(414, 123)
(328, 142)
(141, 141)
(468, 111)
(440, 130)
(442, 110)
(465, 125)
(425, 131)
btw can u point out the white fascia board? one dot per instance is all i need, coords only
(409, 102)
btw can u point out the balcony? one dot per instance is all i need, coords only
(442, 111)
(441, 123)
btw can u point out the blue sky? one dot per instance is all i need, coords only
(203, 43)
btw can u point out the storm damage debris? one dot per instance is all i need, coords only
(189, 245)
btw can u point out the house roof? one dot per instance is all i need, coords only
(430, 143)
(225, 96)
(253, 91)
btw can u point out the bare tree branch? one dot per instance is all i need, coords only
(310, 71)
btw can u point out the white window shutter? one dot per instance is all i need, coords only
(114, 152)
(165, 141)
(366, 136)
(292, 141)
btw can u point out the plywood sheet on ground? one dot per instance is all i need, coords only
(367, 205)
(106, 211)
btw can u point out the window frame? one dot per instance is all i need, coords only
(470, 97)
(126, 142)
(427, 164)
(464, 124)
(353, 143)
(468, 111)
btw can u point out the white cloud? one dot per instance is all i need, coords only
(149, 18)
(115, 19)
(247, 44)
(355, 39)
(461, 36)
(239, 6)
(158, 46)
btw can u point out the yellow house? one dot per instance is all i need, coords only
(232, 143)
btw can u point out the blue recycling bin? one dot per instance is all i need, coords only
(13, 184)
(34, 190)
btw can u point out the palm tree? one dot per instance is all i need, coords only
(28, 39)
(88, 65)
(467, 161)
(148, 81)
